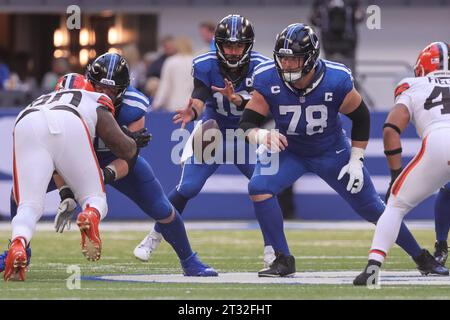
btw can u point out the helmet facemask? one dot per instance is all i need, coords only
(298, 73)
(233, 66)
(233, 61)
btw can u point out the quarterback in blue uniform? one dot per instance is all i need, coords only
(222, 86)
(109, 74)
(305, 96)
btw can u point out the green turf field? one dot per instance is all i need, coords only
(226, 250)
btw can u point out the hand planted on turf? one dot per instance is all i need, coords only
(64, 214)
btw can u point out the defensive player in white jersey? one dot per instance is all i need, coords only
(425, 101)
(55, 133)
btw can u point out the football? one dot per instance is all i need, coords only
(206, 139)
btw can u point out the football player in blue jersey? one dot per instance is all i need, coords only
(305, 95)
(109, 74)
(222, 86)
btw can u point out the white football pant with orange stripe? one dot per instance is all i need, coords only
(425, 174)
(45, 141)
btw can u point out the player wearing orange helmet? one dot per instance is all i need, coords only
(55, 133)
(425, 101)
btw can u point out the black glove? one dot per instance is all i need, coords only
(141, 137)
(394, 175)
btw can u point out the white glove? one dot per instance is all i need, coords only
(64, 214)
(354, 168)
(271, 140)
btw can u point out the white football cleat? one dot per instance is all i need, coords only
(269, 256)
(148, 245)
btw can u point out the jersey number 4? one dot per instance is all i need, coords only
(445, 100)
(316, 118)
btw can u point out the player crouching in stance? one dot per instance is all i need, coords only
(55, 133)
(425, 101)
(305, 95)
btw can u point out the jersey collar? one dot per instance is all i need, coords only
(439, 73)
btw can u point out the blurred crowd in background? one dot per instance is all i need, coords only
(164, 75)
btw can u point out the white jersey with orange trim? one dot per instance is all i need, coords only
(85, 102)
(55, 133)
(427, 99)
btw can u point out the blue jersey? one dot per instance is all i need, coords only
(206, 69)
(308, 118)
(134, 106)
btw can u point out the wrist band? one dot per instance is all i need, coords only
(392, 152)
(195, 114)
(65, 193)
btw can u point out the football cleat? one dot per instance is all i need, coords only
(91, 244)
(16, 261)
(150, 243)
(282, 266)
(5, 254)
(366, 277)
(269, 256)
(426, 264)
(193, 267)
(441, 252)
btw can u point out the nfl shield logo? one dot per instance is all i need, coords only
(302, 100)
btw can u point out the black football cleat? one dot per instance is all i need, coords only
(426, 264)
(282, 266)
(366, 277)
(441, 252)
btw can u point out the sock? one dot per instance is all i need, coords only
(178, 201)
(270, 218)
(388, 227)
(405, 239)
(376, 257)
(175, 234)
(442, 214)
(12, 206)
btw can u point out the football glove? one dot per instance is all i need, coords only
(394, 175)
(65, 210)
(354, 168)
(141, 137)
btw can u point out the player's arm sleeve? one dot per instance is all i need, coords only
(251, 119)
(360, 116)
(202, 80)
(200, 91)
(360, 122)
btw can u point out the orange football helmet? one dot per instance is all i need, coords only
(73, 81)
(435, 56)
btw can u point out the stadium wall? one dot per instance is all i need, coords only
(225, 194)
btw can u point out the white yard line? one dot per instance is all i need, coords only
(146, 226)
(388, 278)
